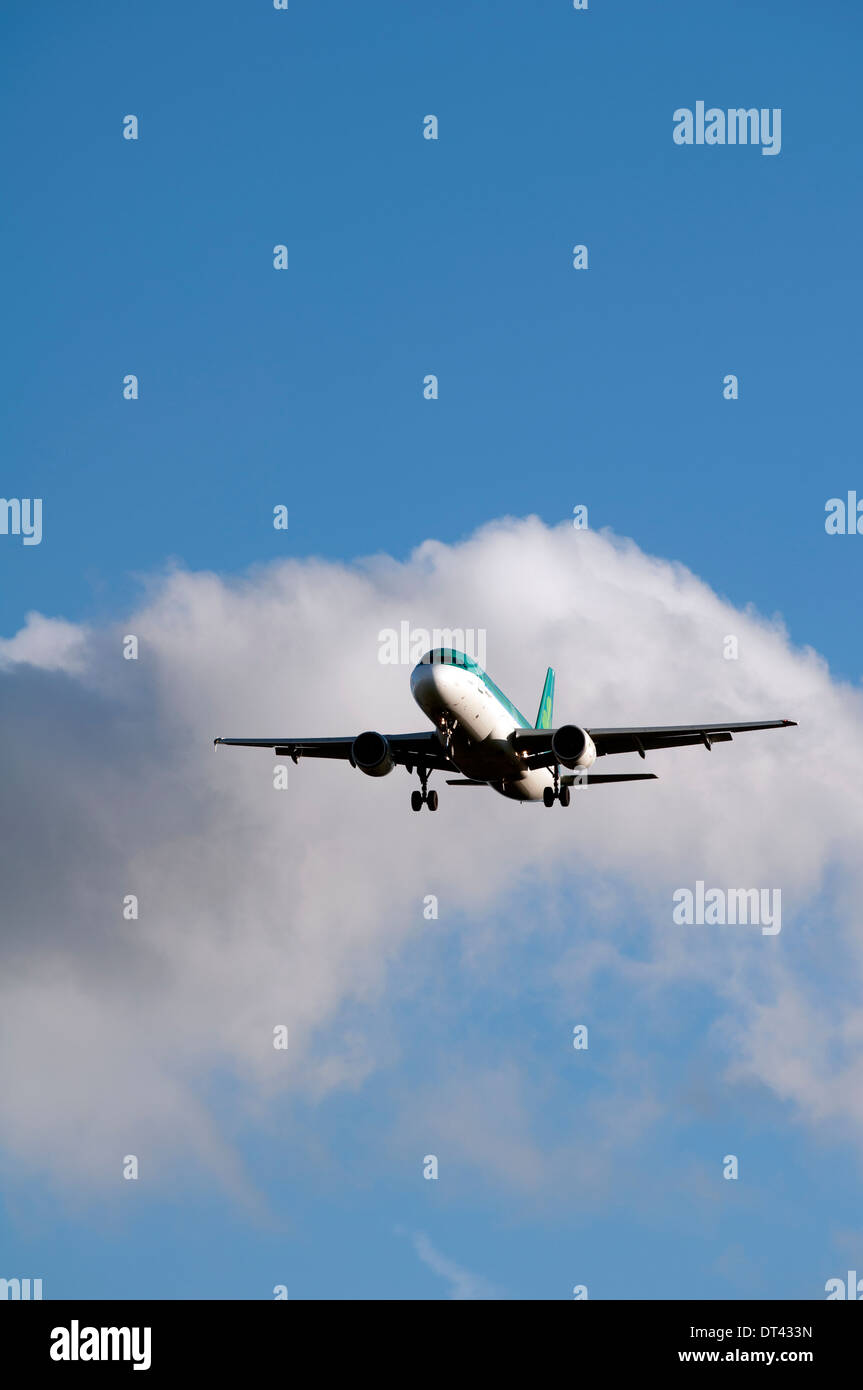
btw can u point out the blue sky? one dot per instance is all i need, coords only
(557, 387)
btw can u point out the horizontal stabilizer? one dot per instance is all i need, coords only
(591, 777)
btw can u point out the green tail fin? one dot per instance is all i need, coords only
(546, 704)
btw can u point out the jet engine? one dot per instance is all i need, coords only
(573, 747)
(371, 754)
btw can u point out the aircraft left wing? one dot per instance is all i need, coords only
(638, 738)
(408, 750)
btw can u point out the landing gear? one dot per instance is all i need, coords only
(556, 793)
(424, 797)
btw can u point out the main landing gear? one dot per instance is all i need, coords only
(424, 797)
(549, 796)
(556, 793)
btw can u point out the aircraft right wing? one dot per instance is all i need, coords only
(409, 750)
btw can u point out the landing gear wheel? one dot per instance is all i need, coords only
(563, 796)
(548, 795)
(416, 801)
(431, 800)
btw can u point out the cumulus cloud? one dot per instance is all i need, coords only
(261, 907)
(49, 643)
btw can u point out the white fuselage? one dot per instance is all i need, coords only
(476, 725)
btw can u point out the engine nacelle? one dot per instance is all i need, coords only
(573, 747)
(372, 755)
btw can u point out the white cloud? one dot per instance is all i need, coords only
(260, 907)
(463, 1284)
(49, 643)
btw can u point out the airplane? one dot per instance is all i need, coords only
(479, 734)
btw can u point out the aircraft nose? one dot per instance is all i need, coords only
(423, 678)
(437, 684)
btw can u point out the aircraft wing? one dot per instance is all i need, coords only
(409, 750)
(639, 739)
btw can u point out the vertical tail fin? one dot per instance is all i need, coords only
(546, 704)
